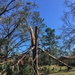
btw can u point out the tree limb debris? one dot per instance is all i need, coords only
(55, 58)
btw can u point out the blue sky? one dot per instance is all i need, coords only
(51, 11)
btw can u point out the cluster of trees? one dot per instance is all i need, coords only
(15, 19)
(17, 16)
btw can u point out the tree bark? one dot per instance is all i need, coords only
(34, 42)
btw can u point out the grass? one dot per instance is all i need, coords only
(55, 70)
(64, 73)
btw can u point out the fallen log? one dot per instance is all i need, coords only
(69, 67)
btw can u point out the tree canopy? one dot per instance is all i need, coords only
(68, 28)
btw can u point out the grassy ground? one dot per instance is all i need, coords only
(55, 70)
(71, 72)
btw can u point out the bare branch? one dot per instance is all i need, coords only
(6, 7)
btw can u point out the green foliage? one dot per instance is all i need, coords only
(17, 21)
(14, 25)
(50, 45)
(49, 39)
(36, 20)
(26, 70)
(9, 70)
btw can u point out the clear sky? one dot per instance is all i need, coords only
(51, 11)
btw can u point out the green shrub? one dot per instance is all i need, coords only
(26, 70)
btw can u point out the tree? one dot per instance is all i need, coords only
(14, 25)
(14, 32)
(50, 40)
(5, 8)
(68, 28)
(16, 18)
(50, 44)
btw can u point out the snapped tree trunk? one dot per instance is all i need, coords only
(34, 42)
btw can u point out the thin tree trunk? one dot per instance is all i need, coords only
(36, 50)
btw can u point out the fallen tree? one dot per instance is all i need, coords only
(55, 59)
